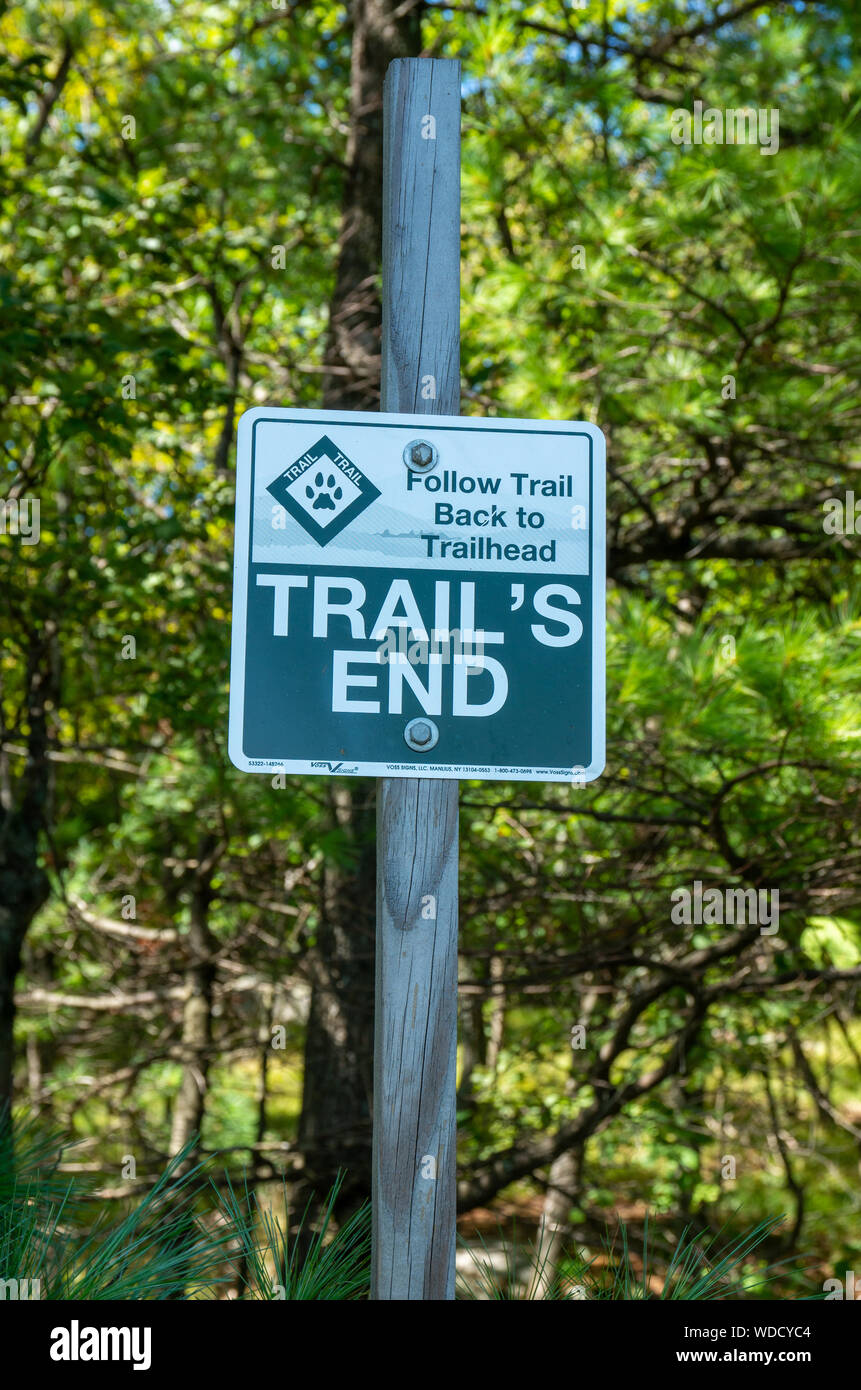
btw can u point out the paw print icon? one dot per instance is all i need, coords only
(325, 493)
(323, 490)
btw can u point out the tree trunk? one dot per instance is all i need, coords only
(566, 1178)
(473, 1047)
(190, 1103)
(497, 1013)
(24, 886)
(561, 1196)
(381, 31)
(335, 1124)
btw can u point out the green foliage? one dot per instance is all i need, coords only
(701, 1268)
(194, 1236)
(325, 1264)
(50, 1230)
(189, 1236)
(146, 261)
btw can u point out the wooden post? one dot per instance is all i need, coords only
(415, 1047)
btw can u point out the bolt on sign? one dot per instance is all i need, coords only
(418, 596)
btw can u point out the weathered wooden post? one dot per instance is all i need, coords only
(417, 820)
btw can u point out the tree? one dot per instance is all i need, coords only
(189, 224)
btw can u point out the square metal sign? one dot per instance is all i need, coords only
(418, 596)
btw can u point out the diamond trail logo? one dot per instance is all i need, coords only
(323, 490)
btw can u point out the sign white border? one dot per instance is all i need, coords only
(241, 562)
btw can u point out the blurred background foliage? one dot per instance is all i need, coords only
(177, 191)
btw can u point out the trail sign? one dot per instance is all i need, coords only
(418, 596)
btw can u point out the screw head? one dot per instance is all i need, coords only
(421, 456)
(421, 735)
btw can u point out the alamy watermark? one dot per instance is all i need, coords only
(20, 1289)
(739, 906)
(842, 515)
(844, 1288)
(727, 126)
(77, 1343)
(404, 645)
(19, 516)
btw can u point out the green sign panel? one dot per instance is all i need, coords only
(418, 596)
